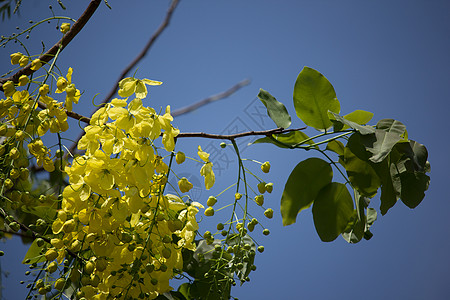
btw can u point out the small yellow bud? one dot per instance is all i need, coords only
(269, 187)
(209, 212)
(180, 157)
(51, 254)
(23, 61)
(211, 201)
(59, 284)
(237, 196)
(89, 267)
(8, 88)
(265, 167)
(259, 199)
(44, 89)
(269, 213)
(36, 64)
(262, 187)
(15, 57)
(52, 267)
(23, 80)
(65, 27)
(184, 185)
(61, 83)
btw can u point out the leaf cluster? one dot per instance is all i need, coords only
(371, 159)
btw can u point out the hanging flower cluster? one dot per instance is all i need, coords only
(114, 213)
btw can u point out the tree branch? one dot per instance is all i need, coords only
(144, 51)
(65, 40)
(237, 135)
(210, 99)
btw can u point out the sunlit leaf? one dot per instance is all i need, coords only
(286, 140)
(33, 254)
(336, 146)
(363, 129)
(275, 109)
(314, 96)
(302, 187)
(332, 210)
(360, 117)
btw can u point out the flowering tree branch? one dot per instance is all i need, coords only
(65, 40)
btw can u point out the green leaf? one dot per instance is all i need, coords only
(314, 96)
(360, 117)
(275, 109)
(415, 155)
(346, 124)
(332, 210)
(414, 186)
(361, 174)
(43, 212)
(286, 140)
(302, 187)
(336, 146)
(354, 231)
(184, 289)
(34, 254)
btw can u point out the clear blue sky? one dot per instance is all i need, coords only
(387, 57)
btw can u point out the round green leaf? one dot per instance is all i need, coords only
(332, 210)
(314, 96)
(302, 187)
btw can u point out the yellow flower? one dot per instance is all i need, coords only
(65, 27)
(202, 154)
(72, 94)
(208, 173)
(128, 86)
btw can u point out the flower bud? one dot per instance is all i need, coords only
(184, 185)
(180, 157)
(23, 80)
(262, 187)
(269, 213)
(65, 27)
(259, 199)
(211, 201)
(15, 57)
(265, 167)
(36, 64)
(8, 88)
(61, 83)
(23, 61)
(269, 187)
(209, 212)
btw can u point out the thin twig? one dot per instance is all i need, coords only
(210, 99)
(66, 39)
(237, 135)
(145, 50)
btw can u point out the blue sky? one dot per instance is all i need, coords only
(387, 57)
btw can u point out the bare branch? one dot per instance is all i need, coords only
(145, 50)
(210, 99)
(237, 135)
(66, 39)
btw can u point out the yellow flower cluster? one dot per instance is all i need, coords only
(114, 211)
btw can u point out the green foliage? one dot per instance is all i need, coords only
(370, 159)
(307, 179)
(276, 110)
(314, 96)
